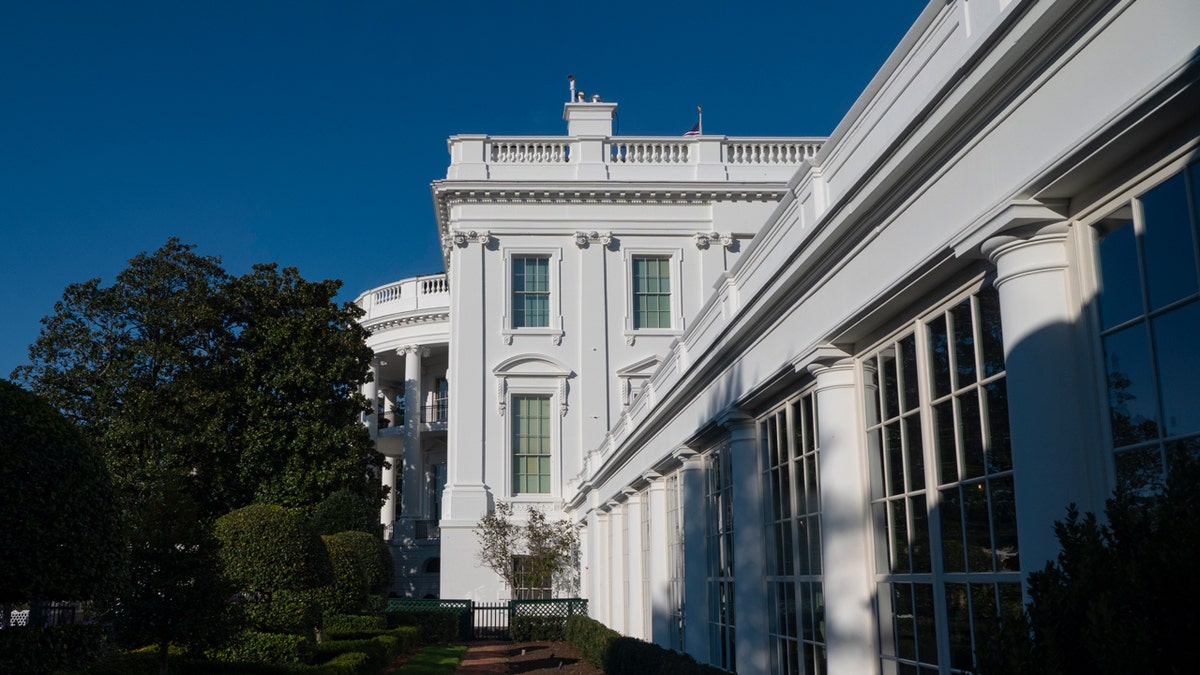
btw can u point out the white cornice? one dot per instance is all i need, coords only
(390, 322)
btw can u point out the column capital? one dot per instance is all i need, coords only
(1031, 250)
(418, 350)
(734, 419)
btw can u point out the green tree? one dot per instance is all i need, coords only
(533, 555)
(59, 519)
(247, 386)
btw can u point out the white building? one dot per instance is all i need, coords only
(817, 404)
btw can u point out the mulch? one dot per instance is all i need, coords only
(503, 658)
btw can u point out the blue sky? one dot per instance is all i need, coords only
(307, 133)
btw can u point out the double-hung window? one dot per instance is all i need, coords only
(651, 292)
(531, 444)
(530, 291)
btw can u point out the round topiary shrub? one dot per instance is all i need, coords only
(266, 548)
(59, 519)
(348, 592)
(345, 510)
(373, 557)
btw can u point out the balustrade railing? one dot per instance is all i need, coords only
(649, 152)
(768, 152)
(528, 152)
(427, 529)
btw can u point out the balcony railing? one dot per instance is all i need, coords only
(429, 293)
(427, 529)
(437, 413)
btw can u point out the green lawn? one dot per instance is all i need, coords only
(435, 660)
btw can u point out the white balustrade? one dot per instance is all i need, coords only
(649, 152)
(527, 152)
(769, 152)
(388, 293)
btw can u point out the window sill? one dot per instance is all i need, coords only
(555, 334)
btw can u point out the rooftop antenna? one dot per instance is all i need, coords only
(571, 81)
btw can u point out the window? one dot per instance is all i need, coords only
(531, 585)
(651, 292)
(531, 444)
(1149, 306)
(441, 404)
(944, 514)
(795, 589)
(719, 503)
(530, 291)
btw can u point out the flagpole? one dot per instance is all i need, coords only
(700, 121)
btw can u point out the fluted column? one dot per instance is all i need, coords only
(750, 553)
(413, 469)
(849, 619)
(1056, 457)
(616, 572)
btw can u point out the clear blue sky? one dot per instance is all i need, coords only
(307, 133)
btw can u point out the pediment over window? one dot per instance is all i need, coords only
(531, 365)
(643, 368)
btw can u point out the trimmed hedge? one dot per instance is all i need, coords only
(381, 649)
(616, 654)
(348, 592)
(436, 627)
(283, 612)
(345, 510)
(274, 648)
(374, 559)
(349, 623)
(533, 628)
(46, 650)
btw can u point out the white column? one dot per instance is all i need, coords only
(849, 619)
(370, 391)
(659, 629)
(750, 553)
(635, 610)
(601, 557)
(413, 469)
(695, 555)
(616, 586)
(387, 514)
(1056, 459)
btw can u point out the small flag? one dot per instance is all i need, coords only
(694, 131)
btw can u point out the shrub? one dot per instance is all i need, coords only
(590, 637)
(532, 628)
(45, 650)
(1120, 598)
(256, 647)
(348, 663)
(407, 636)
(344, 511)
(373, 557)
(59, 520)
(266, 548)
(380, 650)
(435, 626)
(348, 592)
(282, 612)
(349, 623)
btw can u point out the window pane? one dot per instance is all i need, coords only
(1139, 469)
(1004, 517)
(958, 613)
(1175, 348)
(939, 356)
(950, 510)
(991, 333)
(920, 535)
(915, 452)
(999, 450)
(1167, 244)
(891, 397)
(972, 434)
(1130, 386)
(978, 528)
(964, 344)
(1121, 286)
(947, 452)
(908, 361)
(926, 624)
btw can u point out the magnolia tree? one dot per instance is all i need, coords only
(528, 557)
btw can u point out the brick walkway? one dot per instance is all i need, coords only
(485, 658)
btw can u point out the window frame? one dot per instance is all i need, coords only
(554, 419)
(554, 327)
(881, 493)
(674, 257)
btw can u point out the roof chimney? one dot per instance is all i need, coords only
(594, 118)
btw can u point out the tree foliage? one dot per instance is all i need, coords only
(245, 385)
(545, 547)
(345, 511)
(1121, 596)
(59, 519)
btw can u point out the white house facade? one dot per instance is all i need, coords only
(816, 403)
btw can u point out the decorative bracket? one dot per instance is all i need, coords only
(705, 239)
(585, 239)
(562, 397)
(501, 394)
(461, 238)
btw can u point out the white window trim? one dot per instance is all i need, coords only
(550, 390)
(675, 255)
(555, 329)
